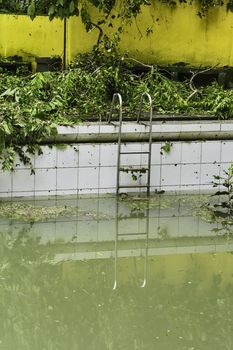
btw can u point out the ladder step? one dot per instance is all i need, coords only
(134, 186)
(143, 152)
(134, 169)
(144, 123)
(132, 234)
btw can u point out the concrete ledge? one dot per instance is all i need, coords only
(133, 132)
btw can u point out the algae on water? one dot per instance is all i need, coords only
(28, 212)
(33, 213)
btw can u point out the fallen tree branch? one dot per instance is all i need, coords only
(195, 91)
(139, 62)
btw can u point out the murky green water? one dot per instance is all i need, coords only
(104, 276)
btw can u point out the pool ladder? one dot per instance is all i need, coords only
(144, 253)
(117, 98)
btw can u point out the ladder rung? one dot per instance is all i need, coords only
(133, 186)
(132, 234)
(133, 169)
(135, 152)
(144, 123)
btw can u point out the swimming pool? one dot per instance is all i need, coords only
(107, 273)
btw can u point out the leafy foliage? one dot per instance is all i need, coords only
(136, 173)
(66, 8)
(20, 124)
(166, 147)
(33, 105)
(219, 208)
(54, 8)
(226, 182)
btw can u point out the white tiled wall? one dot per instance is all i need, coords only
(88, 168)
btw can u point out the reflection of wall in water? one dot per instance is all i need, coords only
(164, 224)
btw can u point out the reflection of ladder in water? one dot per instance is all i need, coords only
(145, 235)
(133, 169)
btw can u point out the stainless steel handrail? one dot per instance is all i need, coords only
(144, 281)
(114, 98)
(148, 96)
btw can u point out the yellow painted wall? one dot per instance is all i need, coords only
(78, 40)
(179, 35)
(21, 36)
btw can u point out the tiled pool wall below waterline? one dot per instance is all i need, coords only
(91, 168)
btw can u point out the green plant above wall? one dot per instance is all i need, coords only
(32, 105)
(128, 9)
(67, 8)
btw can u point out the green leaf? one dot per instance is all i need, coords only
(9, 92)
(167, 147)
(51, 10)
(72, 7)
(2, 141)
(222, 204)
(5, 128)
(216, 230)
(220, 193)
(61, 146)
(31, 11)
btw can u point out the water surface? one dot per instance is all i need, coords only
(115, 276)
